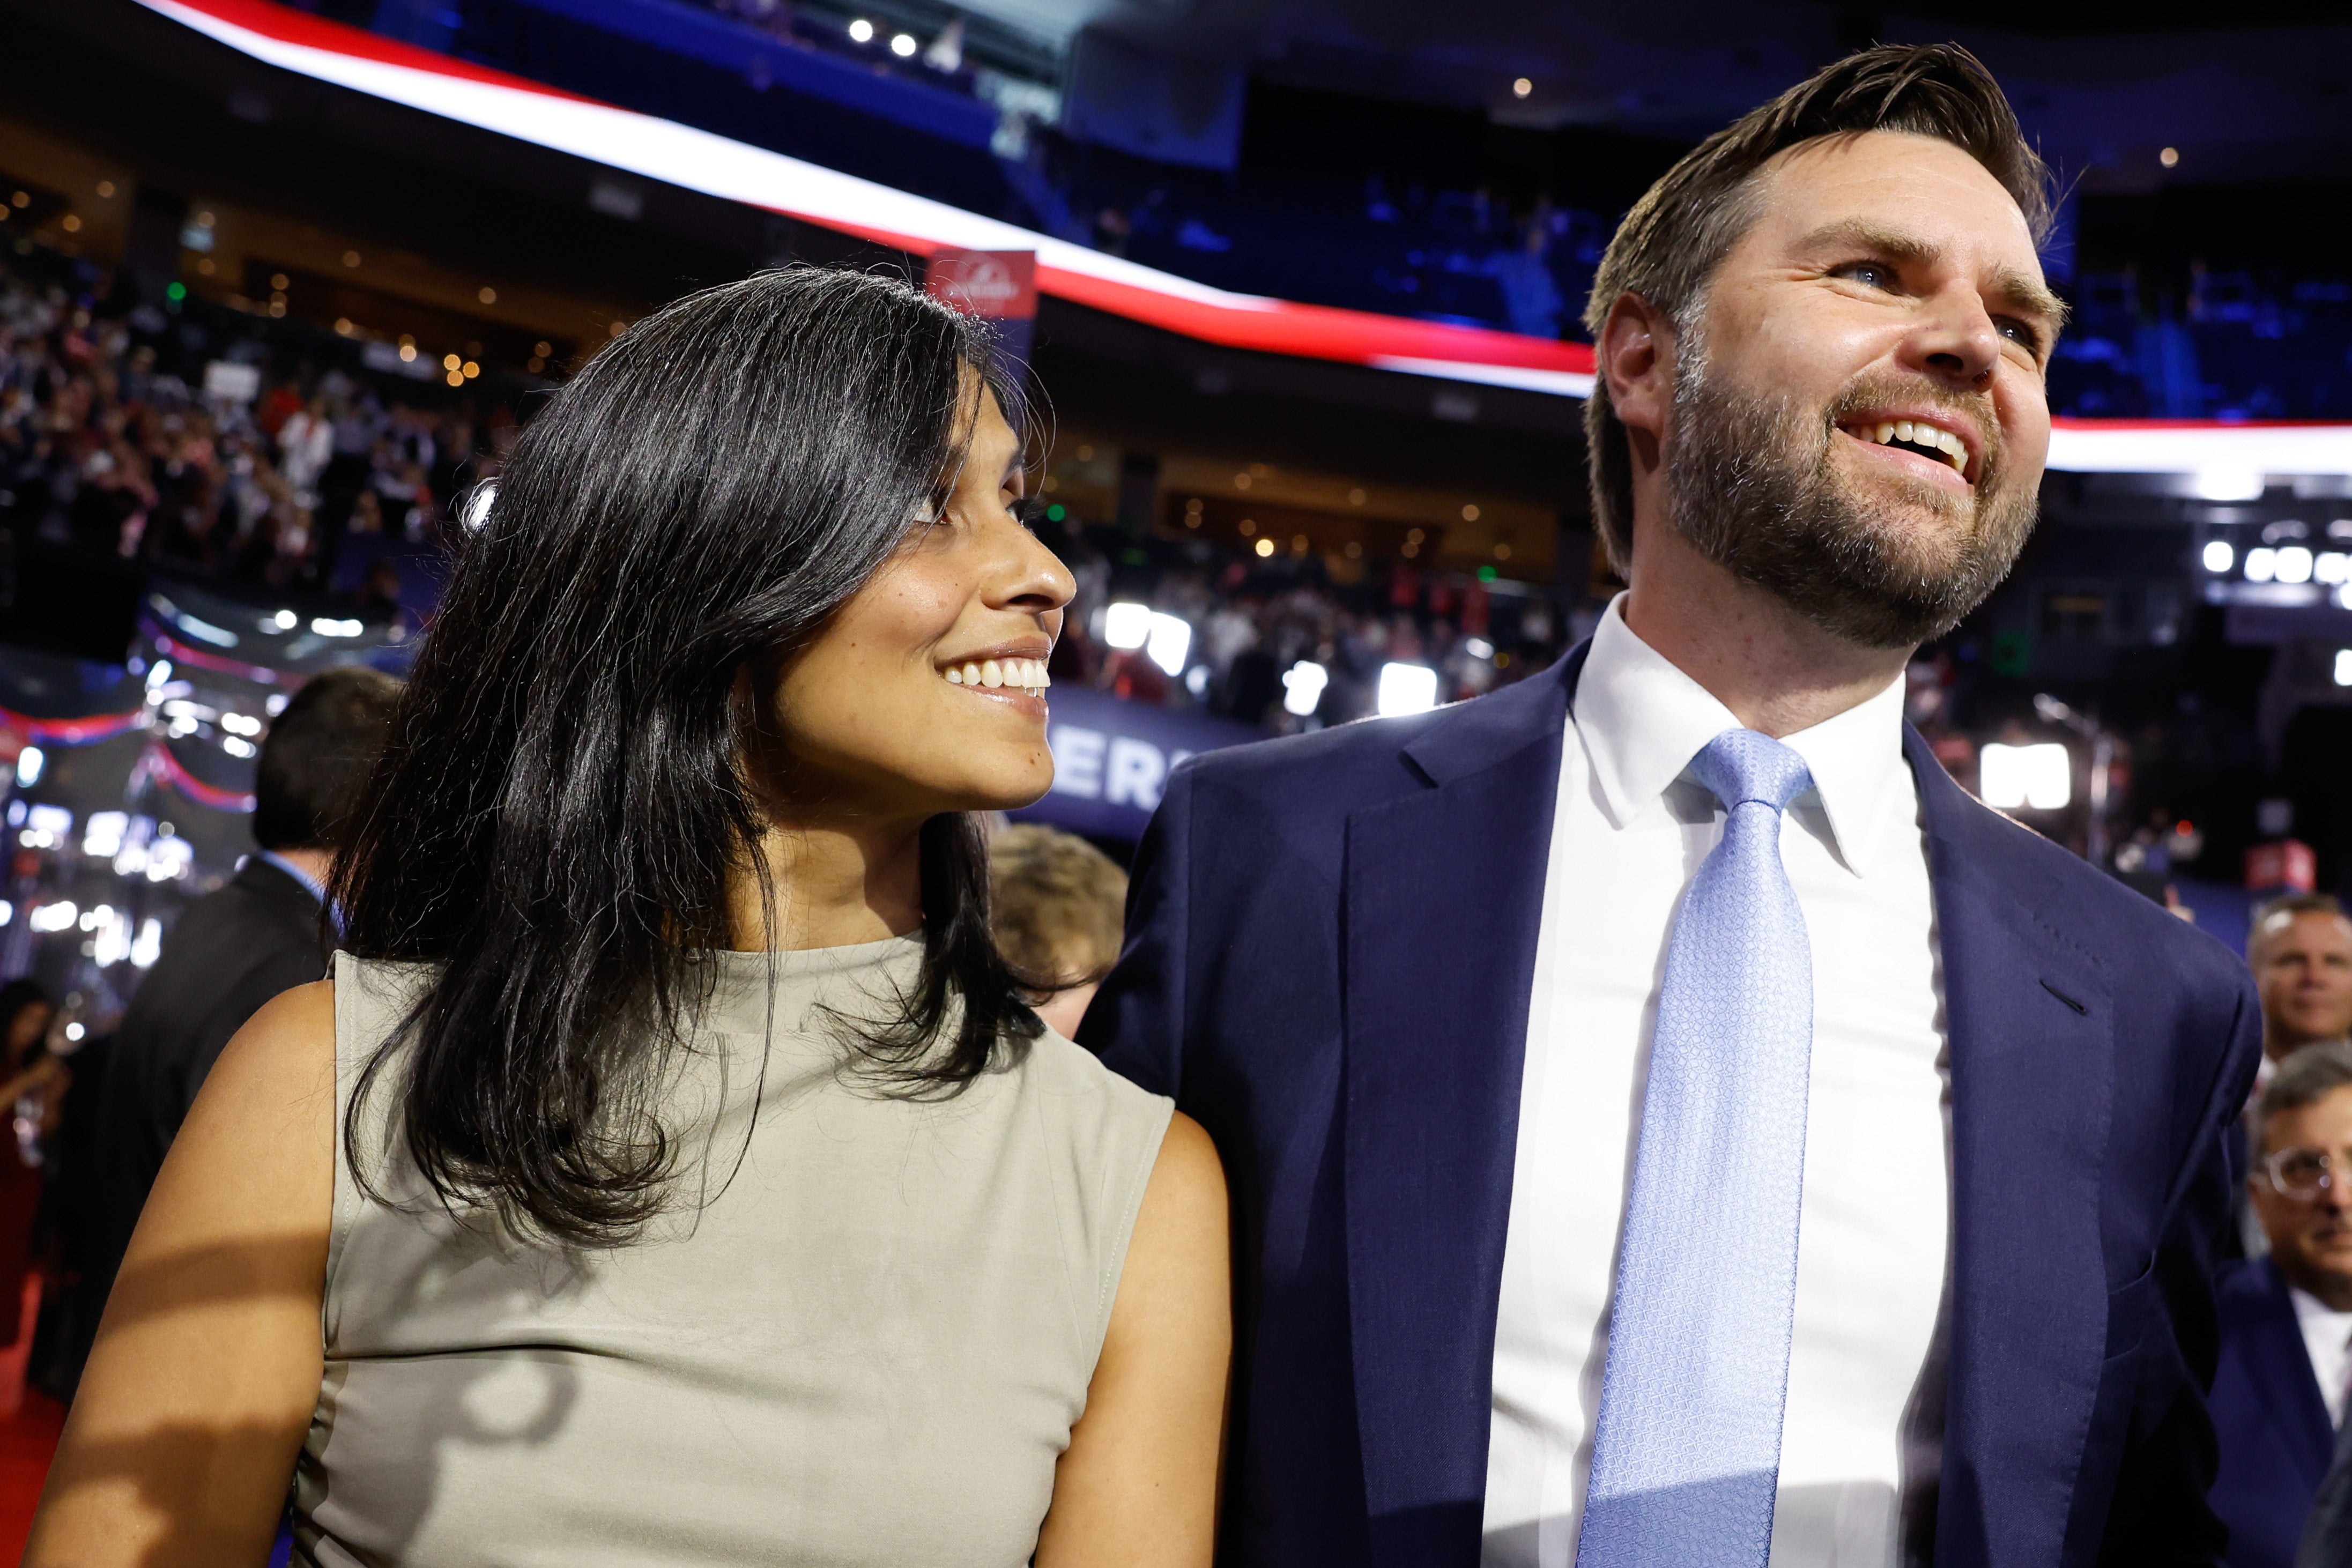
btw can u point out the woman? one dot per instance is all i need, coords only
(669, 1162)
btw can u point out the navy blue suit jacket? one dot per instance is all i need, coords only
(2277, 1439)
(1331, 946)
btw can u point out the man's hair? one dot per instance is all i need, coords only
(1058, 904)
(2290, 904)
(318, 754)
(1679, 232)
(2305, 1078)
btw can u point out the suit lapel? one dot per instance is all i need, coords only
(1444, 901)
(2279, 1362)
(2031, 1064)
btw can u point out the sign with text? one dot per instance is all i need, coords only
(1112, 759)
(1000, 286)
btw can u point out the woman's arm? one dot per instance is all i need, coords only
(207, 1369)
(1138, 1485)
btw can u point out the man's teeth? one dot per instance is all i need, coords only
(1024, 675)
(1919, 433)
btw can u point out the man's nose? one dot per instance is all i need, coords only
(1955, 339)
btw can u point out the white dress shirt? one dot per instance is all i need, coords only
(2328, 1336)
(1629, 831)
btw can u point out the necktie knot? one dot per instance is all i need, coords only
(1743, 765)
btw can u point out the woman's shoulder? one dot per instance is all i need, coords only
(1053, 1065)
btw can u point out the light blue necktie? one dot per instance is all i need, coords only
(1687, 1453)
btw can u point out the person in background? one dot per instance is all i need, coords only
(32, 1088)
(2300, 950)
(234, 950)
(2286, 1319)
(1059, 906)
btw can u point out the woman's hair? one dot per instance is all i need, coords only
(564, 798)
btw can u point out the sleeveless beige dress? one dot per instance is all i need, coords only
(861, 1337)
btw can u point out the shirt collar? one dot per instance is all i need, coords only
(1642, 720)
(2310, 1308)
(311, 884)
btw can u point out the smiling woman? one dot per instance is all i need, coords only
(612, 1159)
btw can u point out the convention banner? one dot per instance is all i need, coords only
(1112, 759)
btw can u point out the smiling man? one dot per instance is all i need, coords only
(1670, 1124)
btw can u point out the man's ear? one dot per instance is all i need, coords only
(1635, 359)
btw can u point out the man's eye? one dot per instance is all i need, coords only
(1870, 273)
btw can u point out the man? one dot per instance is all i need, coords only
(1589, 1157)
(2286, 1319)
(267, 931)
(1055, 903)
(2300, 948)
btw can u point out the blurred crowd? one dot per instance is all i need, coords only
(118, 437)
(1284, 644)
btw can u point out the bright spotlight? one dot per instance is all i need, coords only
(2220, 556)
(1168, 642)
(2040, 776)
(1302, 687)
(861, 31)
(2293, 564)
(2261, 564)
(29, 762)
(1407, 688)
(903, 45)
(2331, 566)
(2229, 483)
(2344, 666)
(102, 832)
(1127, 625)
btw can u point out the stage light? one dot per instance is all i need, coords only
(29, 762)
(101, 834)
(2040, 776)
(2293, 564)
(2344, 666)
(1170, 642)
(2220, 556)
(903, 44)
(1407, 688)
(1522, 86)
(2169, 157)
(1266, 548)
(861, 31)
(285, 620)
(2229, 483)
(2261, 563)
(1302, 687)
(1127, 625)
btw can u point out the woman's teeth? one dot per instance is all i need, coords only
(1022, 674)
(1918, 434)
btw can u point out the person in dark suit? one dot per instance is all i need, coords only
(1671, 1122)
(264, 932)
(2286, 1318)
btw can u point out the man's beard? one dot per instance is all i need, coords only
(1751, 484)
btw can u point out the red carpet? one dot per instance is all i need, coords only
(29, 1425)
(27, 1438)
